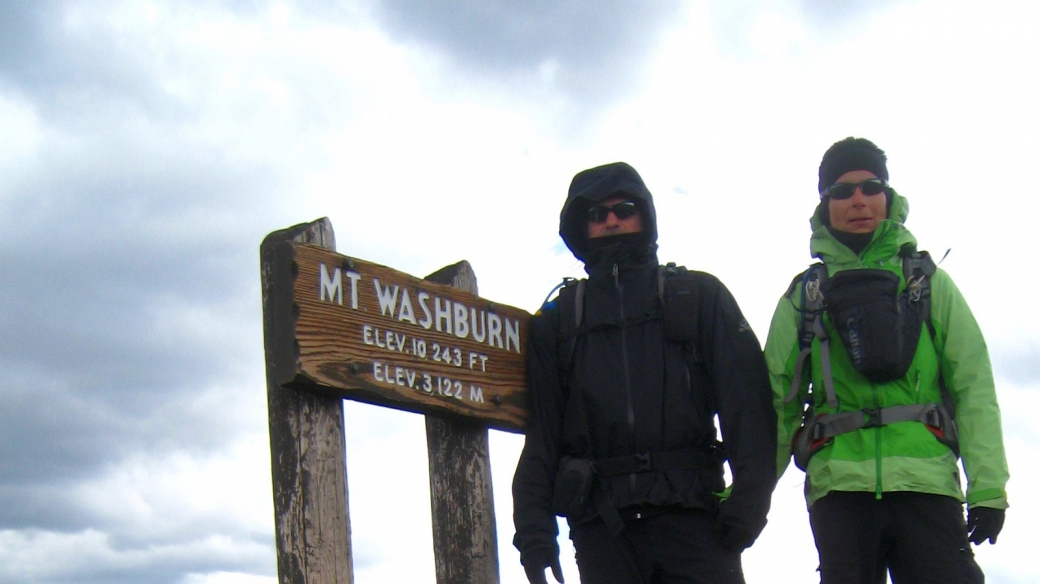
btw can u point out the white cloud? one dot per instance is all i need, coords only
(228, 578)
(148, 147)
(157, 516)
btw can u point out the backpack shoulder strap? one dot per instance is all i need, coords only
(917, 263)
(677, 289)
(810, 325)
(918, 268)
(812, 302)
(682, 293)
(571, 301)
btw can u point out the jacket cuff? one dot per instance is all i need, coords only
(976, 496)
(993, 498)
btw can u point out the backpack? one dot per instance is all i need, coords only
(818, 430)
(677, 295)
(675, 292)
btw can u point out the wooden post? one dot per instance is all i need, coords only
(465, 544)
(328, 335)
(308, 449)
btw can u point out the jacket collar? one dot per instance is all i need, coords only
(889, 238)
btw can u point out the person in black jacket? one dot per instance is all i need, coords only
(621, 436)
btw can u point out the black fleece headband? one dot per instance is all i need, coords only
(851, 154)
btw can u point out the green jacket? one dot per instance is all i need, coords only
(903, 456)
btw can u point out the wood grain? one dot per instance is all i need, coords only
(308, 450)
(465, 540)
(338, 347)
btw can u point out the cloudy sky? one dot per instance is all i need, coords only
(146, 148)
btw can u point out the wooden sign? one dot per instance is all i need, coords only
(374, 334)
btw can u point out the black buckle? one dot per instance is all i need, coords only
(816, 432)
(934, 419)
(873, 417)
(642, 462)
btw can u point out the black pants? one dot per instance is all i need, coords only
(919, 538)
(672, 548)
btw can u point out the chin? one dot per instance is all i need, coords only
(862, 228)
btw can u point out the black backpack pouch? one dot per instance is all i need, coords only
(573, 487)
(681, 298)
(879, 327)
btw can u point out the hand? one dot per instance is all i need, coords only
(984, 523)
(734, 538)
(538, 561)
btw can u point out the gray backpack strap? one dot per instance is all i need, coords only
(819, 430)
(825, 361)
(811, 327)
(918, 268)
(812, 302)
(830, 425)
(796, 381)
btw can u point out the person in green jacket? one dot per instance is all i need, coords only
(881, 379)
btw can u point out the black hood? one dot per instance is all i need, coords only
(598, 184)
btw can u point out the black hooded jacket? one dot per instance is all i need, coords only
(628, 391)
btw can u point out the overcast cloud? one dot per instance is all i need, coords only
(146, 148)
(590, 52)
(129, 309)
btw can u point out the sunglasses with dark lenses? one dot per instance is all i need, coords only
(871, 186)
(622, 210)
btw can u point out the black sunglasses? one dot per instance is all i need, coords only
(871, 186)
(622, 210)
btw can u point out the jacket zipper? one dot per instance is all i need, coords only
(863, 263)
(877, 443)
(624, 358)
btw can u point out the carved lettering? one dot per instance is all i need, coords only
(495, 331)
(387, 300)
(331, 287)
(427, 320)
(461, 321)
(442, 314)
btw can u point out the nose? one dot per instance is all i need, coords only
(858, 196)
(610, 221)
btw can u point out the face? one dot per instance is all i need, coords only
(859, 213)
(613, 225)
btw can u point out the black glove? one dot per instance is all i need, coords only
(537, 561)
(984, 523)
(734, 538)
